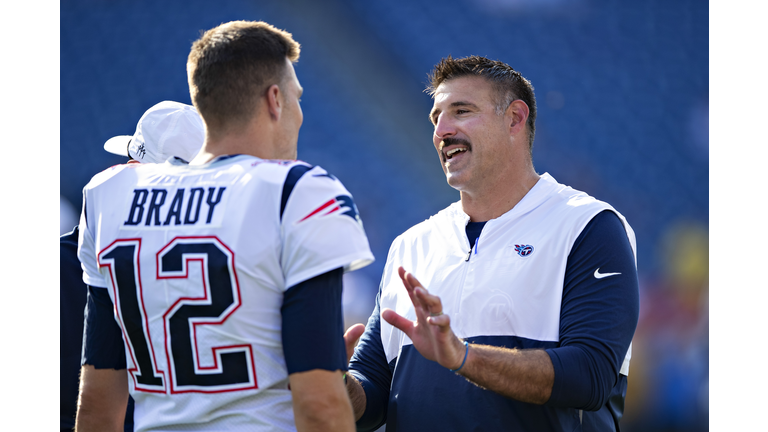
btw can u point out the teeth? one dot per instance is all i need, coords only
(450, 153)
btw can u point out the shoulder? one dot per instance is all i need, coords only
(108, 174)
(604, 228)
(288, 174)
(441, 221)
(583, 210)
(569, 210)
(568, 196)
(310, 178)
(572, 203)
(308, 190)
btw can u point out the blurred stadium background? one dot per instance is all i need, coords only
(623, 97)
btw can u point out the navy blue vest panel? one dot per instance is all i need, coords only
(463, 405)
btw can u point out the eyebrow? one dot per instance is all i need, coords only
(435, 112)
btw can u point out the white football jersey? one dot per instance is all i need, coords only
(196, 260)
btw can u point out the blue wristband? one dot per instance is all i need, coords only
(466, 344)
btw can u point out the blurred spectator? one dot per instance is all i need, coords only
(670, 389)
(68, 215)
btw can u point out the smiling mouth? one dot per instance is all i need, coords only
(463, 146)
(449, 154)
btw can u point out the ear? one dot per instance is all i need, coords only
(517, 116)
(274, 102)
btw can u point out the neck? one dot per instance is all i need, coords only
(492, 201)
(254, 139)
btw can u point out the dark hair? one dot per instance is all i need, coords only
(231, 65)
(508, 83)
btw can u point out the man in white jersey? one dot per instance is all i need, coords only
(512, 309)
(225, 273)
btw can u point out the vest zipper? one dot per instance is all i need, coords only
(477, 242)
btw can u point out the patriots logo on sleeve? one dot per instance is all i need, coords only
(342, 204)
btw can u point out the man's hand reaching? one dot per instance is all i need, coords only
(431, 333)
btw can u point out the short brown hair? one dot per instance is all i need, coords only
(508, 83)
(231, 65)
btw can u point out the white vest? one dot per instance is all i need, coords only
(498, 291)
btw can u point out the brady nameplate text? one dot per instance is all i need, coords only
(151, 207)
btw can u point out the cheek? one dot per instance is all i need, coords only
(301, 115)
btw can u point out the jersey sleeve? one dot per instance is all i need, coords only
(103, 346)
(598, 315)
(321, 228)
(313, 324)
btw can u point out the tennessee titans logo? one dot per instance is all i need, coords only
(524, 250)
(342, 204)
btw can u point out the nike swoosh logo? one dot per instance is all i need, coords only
(599, 275)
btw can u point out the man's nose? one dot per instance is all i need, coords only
(444, 127)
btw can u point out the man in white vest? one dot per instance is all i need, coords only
(515, 307)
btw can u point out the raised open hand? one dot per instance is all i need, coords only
(431, 333)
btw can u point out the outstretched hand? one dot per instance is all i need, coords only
(431, 333)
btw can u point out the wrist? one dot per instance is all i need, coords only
(463, 358)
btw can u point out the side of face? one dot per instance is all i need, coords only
(292, 116)
(472, 140)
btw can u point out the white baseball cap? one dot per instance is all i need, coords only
(167, 129)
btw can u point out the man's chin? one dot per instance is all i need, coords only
(455, 180)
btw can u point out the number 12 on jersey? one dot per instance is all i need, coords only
(214, 300)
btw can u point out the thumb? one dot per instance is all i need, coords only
(350, 338)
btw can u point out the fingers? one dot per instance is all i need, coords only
(399, 322)
(407, 279)
(413, 281)
(350, 338)
(430, 303)
(401, 271)
(440, 320)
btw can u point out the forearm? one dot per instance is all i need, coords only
(329, 414)
(103, 400)
(523, 375)
(94, 420)
(356, 396)
(320, 402)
